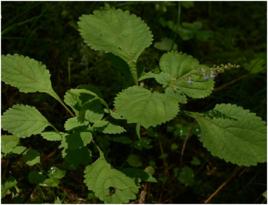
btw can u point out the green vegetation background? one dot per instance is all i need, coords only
(47, 31)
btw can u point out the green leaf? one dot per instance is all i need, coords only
(53, 136)
(36, 177)
(134, 160)
(109, 184)
(73, 122)
(233, 134)
(74, 146)
(86, 104)
(115, 31)
(166, 44)
(195, 161)
(139, 105)
(257, 64)
(184, 74)
(139, 175)
(26, 74)
(186, 176)
(56, 173)
(32, 157)
(24, 121)
(113, 129)
(54, 176)
(7, 185)
(9, 144)
(100, 124)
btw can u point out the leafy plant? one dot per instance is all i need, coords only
(228, 131)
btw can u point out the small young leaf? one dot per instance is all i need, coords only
(139, 105)
(53, 136)
(73, 122)
(235, 135)
(257, 64)
(109, 184)
(186, 176)
(26, 74)
(56, 173)
(24, 121)
(113, 129)
(7, 185)
(32, 157)
(115, 31)
(166, 44)
(100, 124)
(134, 160)
(9, 144)
(35, 177)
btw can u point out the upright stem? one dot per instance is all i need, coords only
(133, 71)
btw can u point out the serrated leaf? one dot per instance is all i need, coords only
(184, 73)
(115, 31)
(109, 184)
(32, 157)
(113, 129)
(53, 136)
(73, 122)
(234, 134)
(26, 74)
(139, 105)
(100, 124)
(24, 121)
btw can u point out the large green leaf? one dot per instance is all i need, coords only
(109, 184)
(233, 134)
(26, 74)
(139, 105)
(115, 31)
(184, 75)
(24, 121)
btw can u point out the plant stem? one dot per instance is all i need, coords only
(55, 96)
(133, 71)
(184, 145)
(230, 83)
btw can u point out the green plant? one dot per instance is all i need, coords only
(228, 131)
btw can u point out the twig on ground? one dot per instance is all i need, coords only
(235, 172)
